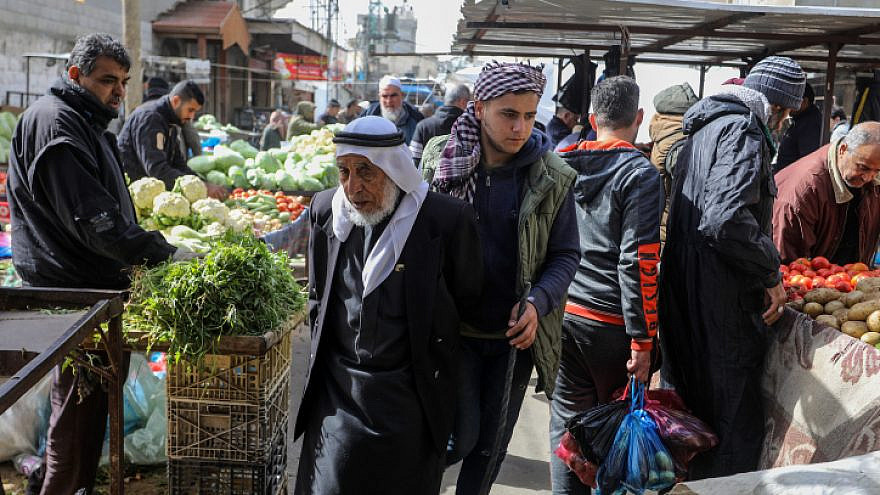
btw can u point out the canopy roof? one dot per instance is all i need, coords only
(216, 20)
(670, 31)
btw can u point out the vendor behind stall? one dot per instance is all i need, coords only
(74, 226)
(152, 141)
(828, 202)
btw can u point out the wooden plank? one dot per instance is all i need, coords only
(42, 297)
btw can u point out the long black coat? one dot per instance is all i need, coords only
(442, 276)
(718, 259)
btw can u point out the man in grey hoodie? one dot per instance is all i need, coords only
(720, 286)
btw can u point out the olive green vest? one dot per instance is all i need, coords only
(548, 182)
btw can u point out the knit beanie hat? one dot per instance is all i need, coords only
(780, 79)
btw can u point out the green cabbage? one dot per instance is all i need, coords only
(201, 164)
(218, 178)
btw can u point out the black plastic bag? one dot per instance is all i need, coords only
(594, 429)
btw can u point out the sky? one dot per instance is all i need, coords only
(442, 16)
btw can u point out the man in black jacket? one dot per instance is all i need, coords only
(611, 313)
(74, 226)
(720, 266)
(804, 136)
(392, 267)
(561, 124)
(151, 139)
(454, 103)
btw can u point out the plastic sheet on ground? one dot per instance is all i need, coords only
(858, 475)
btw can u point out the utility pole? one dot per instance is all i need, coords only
(131, 36)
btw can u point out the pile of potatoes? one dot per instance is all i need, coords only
(855, 313)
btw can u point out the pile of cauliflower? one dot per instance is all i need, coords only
(188, 205)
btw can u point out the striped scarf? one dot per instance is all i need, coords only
(456, 172)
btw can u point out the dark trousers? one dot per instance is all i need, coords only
(76, 432)
(591, 368)
(483, 373)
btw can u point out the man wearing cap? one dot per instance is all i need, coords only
(804, 135)
(302, 121)
(521, 191)
(392, 266)
(394, 107)
(720, 284)
(329, 115)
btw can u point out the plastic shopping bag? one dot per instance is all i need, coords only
(570, 453)
(638, 460)
(594, 429)
(683, 434)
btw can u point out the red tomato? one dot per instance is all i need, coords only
(784, 268)
(283, 207)
(848, 266)
(819, 282)
(802, 261)
(837, 269)
(820, 262)
(793, 273)
(859, 267)
(809, 273)
(237, 190)
(824, 272)
(843, 286)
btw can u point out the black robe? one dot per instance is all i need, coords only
(366, 433)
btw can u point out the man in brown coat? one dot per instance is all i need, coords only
(828, 203)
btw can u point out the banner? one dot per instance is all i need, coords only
(302, 67)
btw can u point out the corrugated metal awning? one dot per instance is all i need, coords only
(219, 20)
(670, 31)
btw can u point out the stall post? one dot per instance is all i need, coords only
(828, 101)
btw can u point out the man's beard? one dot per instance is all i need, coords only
(392, 114)
(390, 195)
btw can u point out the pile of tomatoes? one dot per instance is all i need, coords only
(283, 202)
(803, 275)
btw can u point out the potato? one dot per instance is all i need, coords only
(853, 298)
(873, 321)
(833, 306)
(822, 295)
(861, 310)
(870, 338)
(854, 329)
(829, 321)
(813, 309)
(842, 316)
(871, 284)
(797, 305)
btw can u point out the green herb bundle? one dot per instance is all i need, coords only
(239, 288)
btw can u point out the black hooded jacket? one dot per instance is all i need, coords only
(619, 197)
(73, 221)
(150, 143)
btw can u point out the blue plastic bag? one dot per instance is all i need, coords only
(638, 460)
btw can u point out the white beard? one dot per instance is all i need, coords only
(392, 115)
(389, 200)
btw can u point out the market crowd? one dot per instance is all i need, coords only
(464, 250)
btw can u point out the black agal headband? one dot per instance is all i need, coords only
(369, 140)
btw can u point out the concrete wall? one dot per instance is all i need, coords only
(52, 26)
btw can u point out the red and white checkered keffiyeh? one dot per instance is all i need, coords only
(456, 173)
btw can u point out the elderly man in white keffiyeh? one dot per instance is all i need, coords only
(391, 268)
(521, 191)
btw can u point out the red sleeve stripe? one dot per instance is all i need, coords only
(649, 257)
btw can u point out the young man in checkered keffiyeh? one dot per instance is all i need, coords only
(520, 190)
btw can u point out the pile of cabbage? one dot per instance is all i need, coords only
(208, 122)
(7, 126)
(186, 216)
(308, 165)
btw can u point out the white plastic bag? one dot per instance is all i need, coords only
(23, 426)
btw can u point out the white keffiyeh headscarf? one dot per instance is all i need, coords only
(378, 140)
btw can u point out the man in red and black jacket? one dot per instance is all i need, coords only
(611, 315)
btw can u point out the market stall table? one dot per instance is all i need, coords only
(35, 337)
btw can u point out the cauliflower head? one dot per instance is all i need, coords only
(215, 229)
(171, 205)
(238, 220)
(192, 188)
(211, 210)
(144, 190)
